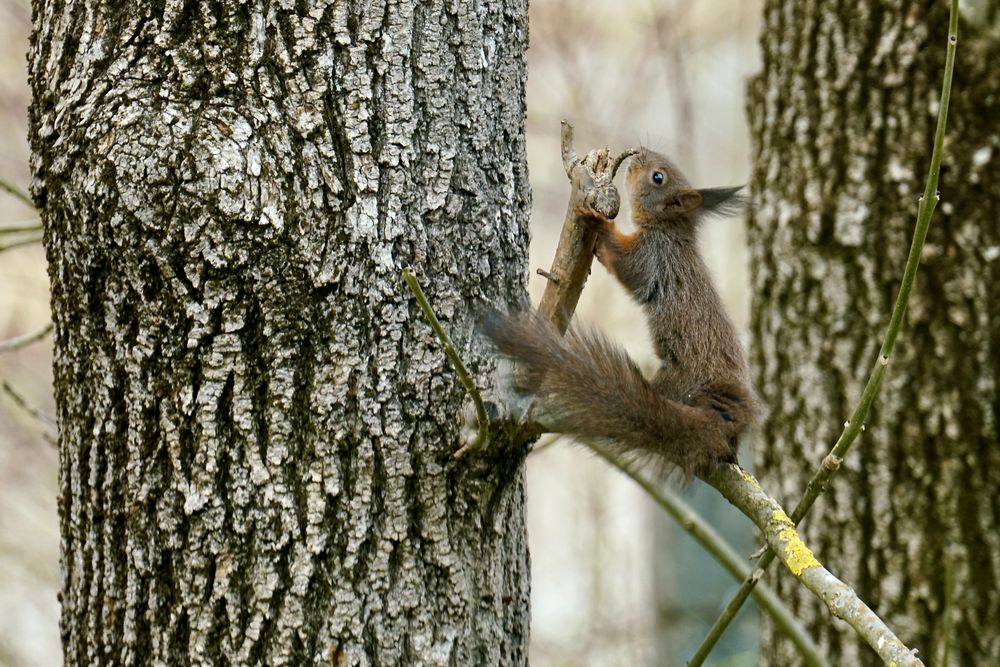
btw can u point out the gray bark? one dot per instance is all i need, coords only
(842, 118)
(255, 421)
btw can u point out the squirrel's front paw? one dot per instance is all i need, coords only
(592, 217)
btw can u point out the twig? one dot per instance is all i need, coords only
(569, 157)
(591, 186)
(16, 191)
(463, 373)
(18, 342)
(27, 407)
(926, 208)
(854, 427)
(729, 613)
(548, 276)
(20, 228)
(743, 491)
(23, 242)
(717, 545)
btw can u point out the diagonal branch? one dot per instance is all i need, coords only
(719, 547)
(590, 187)
(46, 420)
(461, 371)
(731, 481)
(16, 192)
(24, 340)
(742, 490)
(31, 240)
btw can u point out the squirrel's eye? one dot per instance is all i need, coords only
(658, 177)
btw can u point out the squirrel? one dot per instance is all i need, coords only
(690, 416)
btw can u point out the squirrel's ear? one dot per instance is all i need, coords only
(722, 201)
(687, 200)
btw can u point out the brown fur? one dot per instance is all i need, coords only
(700, 401)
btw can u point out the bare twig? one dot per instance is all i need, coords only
(548, 276)
(569, 157)
(22, 402)
(16, 191)
(591, 186)
(22, 242)
(463, 373)
(18, 342)
(617, 162)
(20, 228)
(854, 427)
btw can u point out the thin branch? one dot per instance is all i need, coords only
(24, 340)
(743, 491)
(21, 228)
(926, 208)
(23, 242)
(16, 191)
(854, 427)
(463, 373)
(717, 545)
(22, 402)
(729, 613)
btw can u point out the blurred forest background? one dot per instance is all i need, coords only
(613, 583)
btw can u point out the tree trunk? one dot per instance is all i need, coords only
(843, 118)
(255, 421)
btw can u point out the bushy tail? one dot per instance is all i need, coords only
(588, 386)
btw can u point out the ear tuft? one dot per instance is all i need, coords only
(723, 201)
(687, 200)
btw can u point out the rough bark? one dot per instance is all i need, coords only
(842, 119)
(256, 423)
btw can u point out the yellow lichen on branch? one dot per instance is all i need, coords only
(797, 556)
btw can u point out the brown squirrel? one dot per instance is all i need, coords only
(692, 413)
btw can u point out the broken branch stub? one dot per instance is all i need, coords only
(590, 187)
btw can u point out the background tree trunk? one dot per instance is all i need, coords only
(842, 118)
(256, 423)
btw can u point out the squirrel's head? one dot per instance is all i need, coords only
(659, 191)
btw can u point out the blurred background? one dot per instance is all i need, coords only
(614, 582)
